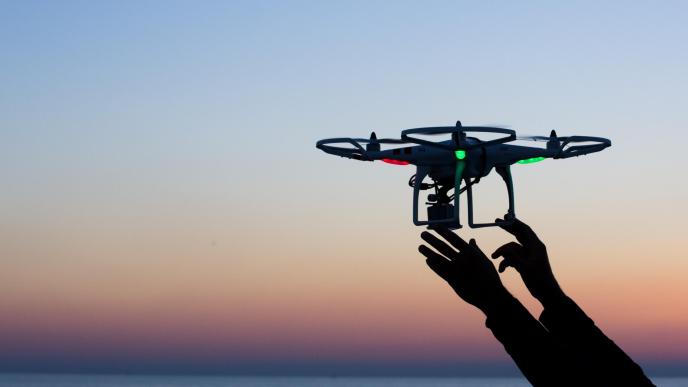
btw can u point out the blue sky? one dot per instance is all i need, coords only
(210, 90)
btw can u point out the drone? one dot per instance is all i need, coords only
(463, 158)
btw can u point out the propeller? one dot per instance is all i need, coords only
(569, 146)
(458, 134)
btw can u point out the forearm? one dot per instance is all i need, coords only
(531, 347)
(567, 322)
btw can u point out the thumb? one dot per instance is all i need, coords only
(504, 264)
(512, 253)
(474, 245)
(511, 250)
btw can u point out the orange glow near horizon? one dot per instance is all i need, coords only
(382, 303)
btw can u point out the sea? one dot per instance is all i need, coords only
(68, 380)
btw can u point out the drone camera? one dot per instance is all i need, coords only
(440, 211)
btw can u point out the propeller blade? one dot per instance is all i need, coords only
(497, 125)
(533, 138)
(552, 136)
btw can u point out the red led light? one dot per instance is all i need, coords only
(395, 162)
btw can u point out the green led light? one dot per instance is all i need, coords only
(530, 160)
(460, 154)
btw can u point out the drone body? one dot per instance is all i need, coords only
(460, 159)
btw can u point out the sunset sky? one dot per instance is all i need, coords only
(164, 209)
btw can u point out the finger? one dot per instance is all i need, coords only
(512, 250)
(520, 230)
(452, 238)
(504, 264)
(439, 245)
(440, 265)
(474, 245)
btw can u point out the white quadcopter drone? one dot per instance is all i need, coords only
(462, 158)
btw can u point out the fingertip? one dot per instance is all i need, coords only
(502, 223)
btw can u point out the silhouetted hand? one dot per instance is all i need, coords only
(468, 271)
(530, 259)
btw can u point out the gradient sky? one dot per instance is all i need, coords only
(163, 207)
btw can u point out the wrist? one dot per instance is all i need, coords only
(496, 301)
(553, 296)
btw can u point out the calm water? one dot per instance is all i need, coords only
(17, 380)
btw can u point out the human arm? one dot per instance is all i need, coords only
(473, 277)
(598, 355)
